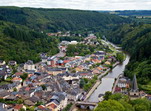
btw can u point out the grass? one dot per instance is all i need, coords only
(4, 82)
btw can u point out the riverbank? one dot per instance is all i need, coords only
(99, 81)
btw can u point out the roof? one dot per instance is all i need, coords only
(29, 62)
(18, 106)
(18, 73)
(134, 84)
(53, 106)
(16, 79)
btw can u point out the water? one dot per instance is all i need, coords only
(107, 81)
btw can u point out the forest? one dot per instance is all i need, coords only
(53, 20)
(21, 44)
(23, 30)
(136, 39)
(119, 102)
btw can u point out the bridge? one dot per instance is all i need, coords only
(83, 105)
(86, 103)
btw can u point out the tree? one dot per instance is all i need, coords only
(15, 89)
(110, 105)
(120, 57)
(119, 96)
(127, 106)
(141, 104)
(22, 109)
(82, 83)
(38, 103)
(107, 95)
(24, 76)
(44, 87)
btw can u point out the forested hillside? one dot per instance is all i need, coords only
(136, 39)
(20, 43)
(20, 29)
(58, 19)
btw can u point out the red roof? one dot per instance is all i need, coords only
(52, 105)
(18, 73)
(27, 88)
(66, 61)
(18, 106)
(41, 107)
(16, 79)
(117, 89)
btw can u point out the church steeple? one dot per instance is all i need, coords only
(134, 92)
(134, 84)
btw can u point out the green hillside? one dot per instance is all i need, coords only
(20, 43)
(136, 39)
(20, 29)
(58, 19)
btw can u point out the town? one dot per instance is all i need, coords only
(58, 81)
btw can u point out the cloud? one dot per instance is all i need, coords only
(82, 4)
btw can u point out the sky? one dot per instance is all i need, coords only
(82, 4)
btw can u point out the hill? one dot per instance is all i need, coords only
(136, 39)
(21, 38)
(20, 43)
(54, 20)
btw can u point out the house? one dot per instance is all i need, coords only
(43, 57)
(12, 63)
(3, 74)
(90, 37)
(55, 71)
(107, 63)
(10, 87)
(57, 102)
(17, 107)
(73, 94)
(123, 85)
(52, 61)
(73, 42)
(63, 48)
(2, 62)
(88, 75)
(4, 94)
(100, 53)
(18, 74)
(69, 76)
(96, 71)
(16, 79)
(29, 103)
(79, 68)
(29, 66)
(60, 63)
(42, 108)
(32, 100)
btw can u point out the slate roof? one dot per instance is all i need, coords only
(134, 84)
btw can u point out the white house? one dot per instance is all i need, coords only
(2, 62)
(29, 65)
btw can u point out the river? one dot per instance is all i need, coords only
(108, 80)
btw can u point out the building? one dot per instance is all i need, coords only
(57, 102)
(52, 61)
(29, 66)
(2, 62)
(12, 63)
(73, 42)
(55, 71)
(134, 92)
